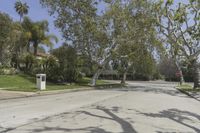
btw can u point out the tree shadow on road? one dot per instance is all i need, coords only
(126, 126)
(88, 129)
(109, 115)
(178, 116)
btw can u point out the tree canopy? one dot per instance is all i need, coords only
(125, 28)
(180, 28)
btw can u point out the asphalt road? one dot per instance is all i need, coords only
(143, 107)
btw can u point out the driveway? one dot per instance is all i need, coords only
(143, 107)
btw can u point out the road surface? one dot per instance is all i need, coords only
(143, 107)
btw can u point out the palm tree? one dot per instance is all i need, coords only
(39, 36)
(27, 25)
(35, 32)
(21, 9)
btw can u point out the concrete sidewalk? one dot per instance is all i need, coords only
(4, 94)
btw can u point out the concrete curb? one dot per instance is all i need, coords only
(188, 94)
(45, 93)
(54, 92)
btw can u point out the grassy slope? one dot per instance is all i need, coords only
(26, 83)
(187, 87)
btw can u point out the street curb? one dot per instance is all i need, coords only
(48, 93)
(188, 94)
(55, 92)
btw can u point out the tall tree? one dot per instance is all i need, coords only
(97, 35)
(68, 60)
(134, 33)
(5, 39)
(80, 24)
(27, 26)
(21, 9)
(39, 36)
(10, 43)
(18, 44)
(36, 34)
(180, 28)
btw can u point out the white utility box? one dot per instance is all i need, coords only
(41, 81)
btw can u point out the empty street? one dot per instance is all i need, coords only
(141, 107)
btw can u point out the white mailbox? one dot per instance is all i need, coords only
(41, 81)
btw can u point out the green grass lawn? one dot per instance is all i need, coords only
(188, 87)
(27, 83)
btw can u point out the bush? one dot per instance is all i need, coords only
(51, 68)
(68, 64)
(26, 62)
(7, 71)
(61, 66)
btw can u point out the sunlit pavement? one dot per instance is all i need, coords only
(143, 107)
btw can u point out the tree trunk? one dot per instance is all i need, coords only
(180, 72)
(196, 75)
(123, 80)
(20, 19)
(1, 55)
(95, 77)
(28, 48)
(181, 77)
(35, 48)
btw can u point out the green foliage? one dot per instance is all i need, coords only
(188, 72)
(6, 27)
(51, 67)
(21, 8)
(68, 63)
(6, 40)
(136, 36)
(187, 88)
(77, 13)
(7, 71)
(179, 25)
(84, 28)
(36, 33)
(146, 68)
(39, 36)
(169, 2)
(27, 83)
(168, 69)
(121, 31)
(14, 37)
(87, 67)
(27, 61)
(182, 24)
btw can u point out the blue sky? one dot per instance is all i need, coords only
(36, 13)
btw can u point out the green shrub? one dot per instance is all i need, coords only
(7, 71)
(51, 68)
(26, 62)
(68, 64)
